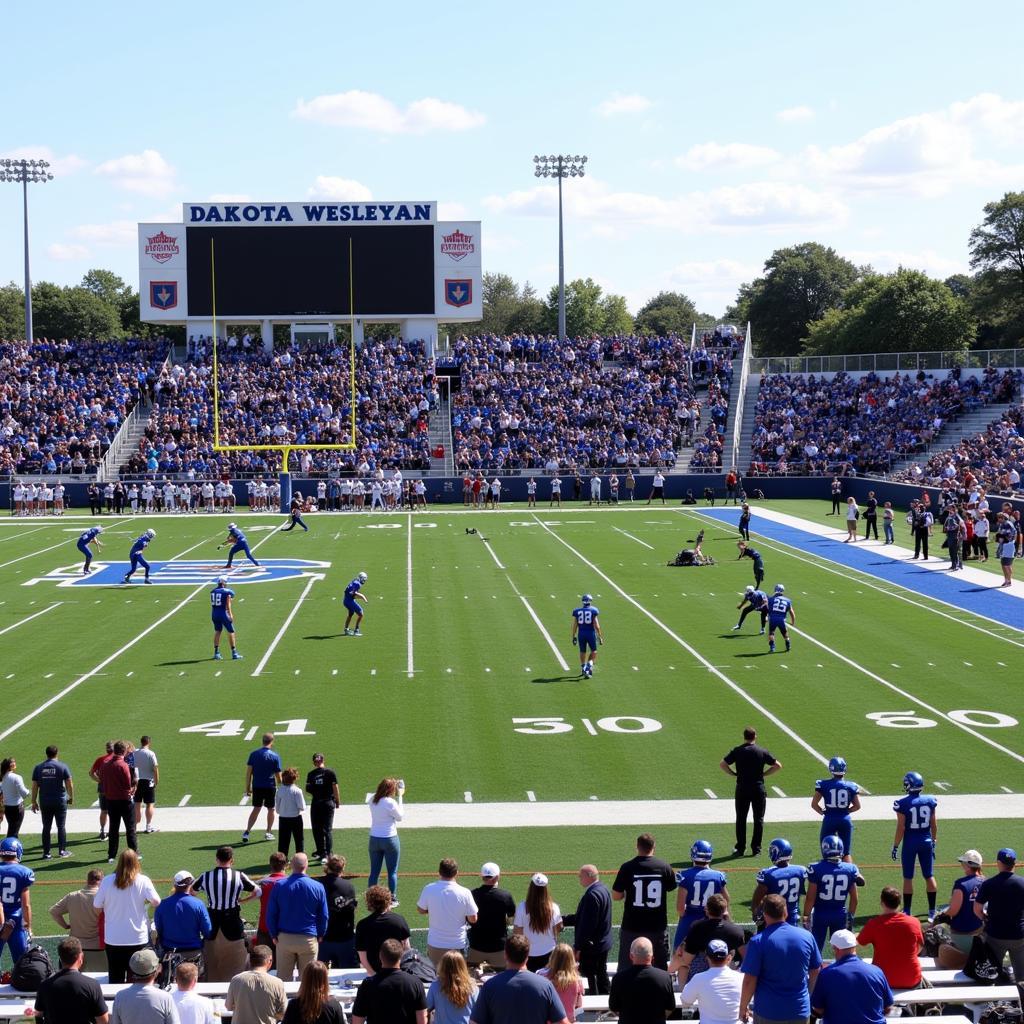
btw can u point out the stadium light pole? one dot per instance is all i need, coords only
(559, 167)
(26, 172)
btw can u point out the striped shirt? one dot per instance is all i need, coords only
(223, 886)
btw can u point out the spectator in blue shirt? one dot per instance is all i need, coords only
(780, 968)
(183, 923)
(850, 990)
(262, 774)
(296, 918)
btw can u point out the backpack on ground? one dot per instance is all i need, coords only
(983, 965)
(31, 970)
(412, 963)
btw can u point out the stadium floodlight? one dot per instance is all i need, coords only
(26, 172)
(560, 167)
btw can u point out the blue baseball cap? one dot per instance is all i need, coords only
(1007, 856)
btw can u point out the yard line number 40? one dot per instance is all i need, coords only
(236, 727)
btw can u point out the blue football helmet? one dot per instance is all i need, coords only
(586, 599)
(780, 849)
(11, 847)
(832, 848)
(701, 852)
(837, 765)
(779, 588)
(913, 782)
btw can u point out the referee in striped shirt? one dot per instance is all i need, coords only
(226, 889)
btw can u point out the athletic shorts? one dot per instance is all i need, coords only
(145, 792)
(223, 623)
(920, 850)
(353, 606)
(774, 624)
(263, 796)
(587, 640)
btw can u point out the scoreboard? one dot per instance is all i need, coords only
(291, 261)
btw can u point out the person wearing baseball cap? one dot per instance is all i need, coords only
(142, 1001)
(495, 910)
(183, 924)
(540, 920)
(963, 924)
(715, 991)
(850, 990)
(999, 904)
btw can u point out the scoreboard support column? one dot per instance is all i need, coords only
(285, 479)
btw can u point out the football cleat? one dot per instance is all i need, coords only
(217, 656)
(779, 849)
(235, 656)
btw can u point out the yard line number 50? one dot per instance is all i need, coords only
(548, 726)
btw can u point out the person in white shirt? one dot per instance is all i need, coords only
(192, 1008)
(715, 991)
(421, 493)
(450, 908)
(540, 920)
(122, 897)
(58, 499)
(321, 493)
(658, 490)
(169, 490)
(148, 768)
(531, 493)
(148, 492)
(375, 492)
(556, 492)
(496, 492)
(595, 488)
(346, 493)
(386, 811)
(19, 499)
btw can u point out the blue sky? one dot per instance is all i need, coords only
(715, 133)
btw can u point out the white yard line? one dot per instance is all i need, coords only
(736, 688)
(410, 666)
(26, 533)
(33, 554)
(631, 537)
(287, 622)
(563, 664)
(492, 554)
(22, 622)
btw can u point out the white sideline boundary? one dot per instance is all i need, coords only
(717, 672)
(410, 665)
(650, 547)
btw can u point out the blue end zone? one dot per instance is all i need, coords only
(985, 601)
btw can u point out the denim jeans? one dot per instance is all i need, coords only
(339, 954)
(54, 813)
(385, 851)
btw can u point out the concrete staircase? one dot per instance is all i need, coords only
(747, 426)
(441, 434)
(126, 442)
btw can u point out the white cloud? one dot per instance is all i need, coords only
(118, 232)
(147, 173)
(340, 189)
(60, 166)
(793, 114)
(229, 197)
(62, 251)
(369, 110)
(618, 104)
(887, 260)
(451, 211)
(707, 155)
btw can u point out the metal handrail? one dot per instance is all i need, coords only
(891, 362)
(737, 423)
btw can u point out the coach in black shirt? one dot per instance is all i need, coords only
(690, 958)
(390, 996)
(592, 924)
(381, 924)
(752, 764)
(641, 992)
(495, 910)
(322, 787)
(643, 884)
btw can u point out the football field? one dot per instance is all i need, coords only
(466, 684)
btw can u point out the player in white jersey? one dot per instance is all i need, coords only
(556, 492)
(376, 495)
(19, 498)
(133, 498)
(148, 492)
(346, 493)
(47, 499)
(169, 491)
(531, 492)
(207, 491)
(58, 499)
(421, 493)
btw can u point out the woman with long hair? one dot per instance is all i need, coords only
(122, 897)
(561, 971)
(289, 804)
(313, 1004)
(452, 994)
(14, 791)
(385, 847)
(540, 920)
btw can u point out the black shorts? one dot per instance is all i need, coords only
(145, 792)
(103, 802)
(263, 796)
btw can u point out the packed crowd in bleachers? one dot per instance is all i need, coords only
(62, 402)
(861, 424)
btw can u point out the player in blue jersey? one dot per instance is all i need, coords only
(917, 830)
(223, 618)
(295, 514)
(783, 879)
(238, 544)
(755, 601)
(586, 632)
(779, 606)
(835, 800)
(831, 902)
(137, 558)
(352, 591)
(696, 884)
(15, 881)
(752, 553)
(90, 536)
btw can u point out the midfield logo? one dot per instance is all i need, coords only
(458, 291)
(162, 246)
(187, 574)
(457, 245)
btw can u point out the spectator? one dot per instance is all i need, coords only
(641, 992)
(452, 994)
(852, 515)
(378, 926)
(540, 920)
(338, 946)
(313, 1004)
(122, 897)
(322, 787)
(389, 995)
(689, 959)
(53, 791)
(262, 774)
(12, 794)
(69, 996)
(278, 862)
(296, 918)
(561, 971)
(76, 913)
(289, 804)
(516, 996)
(897, 940)
(119, 789)
(94, 774)
(999, 904)
(850, 991)
(963, 923)
(716, 991)
(592, 930)
(449, 907)
(495, 911)
(182, 926)
(226, 889)
(148, 769)
(142, 1002)
(644, 884)
(779, 969)
(192, 1007)
(385, 846)
(255, 996)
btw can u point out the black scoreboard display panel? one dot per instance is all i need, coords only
(304, 271)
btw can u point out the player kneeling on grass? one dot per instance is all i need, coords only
(586, 631)
(223, 618)
(778, 608)
(352, 606)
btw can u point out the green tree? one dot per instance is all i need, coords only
(800, 284)
(12, 311)
(903, 311)
(997, 255)
(587, 310)
(106, 285)
(72, 313)
(617, 319)
(508, 308)
(667, 313)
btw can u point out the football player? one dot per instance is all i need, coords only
(917, 829)
(136, 555)
(831, 892)
(696, 884)
(223, 618)
(352, 591)
(755, 601)
(778, 608)
(15, 881)
(238, 544)
(752, 553)
(88, 537)
(783, 879)
(835, 800)
(586, 632)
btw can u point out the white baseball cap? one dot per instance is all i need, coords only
(540, 879)
(490, 870)
(844, 939)
(971, 857)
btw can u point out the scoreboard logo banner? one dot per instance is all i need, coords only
(163, 294)
(458, 245)
(458, 291)
(161, 247)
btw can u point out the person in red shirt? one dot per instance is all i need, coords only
(897, 939)
(119, 790)
(94, 774)
(278, 862)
